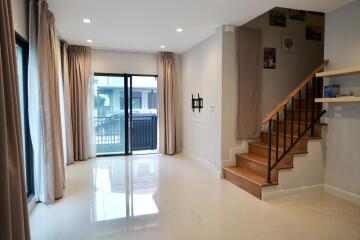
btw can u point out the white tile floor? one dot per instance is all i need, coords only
(160, 197)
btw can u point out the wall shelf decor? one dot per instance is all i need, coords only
(339, 72)
(196, 102)
(338, 99)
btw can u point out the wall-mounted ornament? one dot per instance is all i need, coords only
(196, 102)
(313, 33)
(270, 58)
(288, 43)
(277, 18)
(299, 15)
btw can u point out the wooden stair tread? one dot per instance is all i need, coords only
(249, 176)
(296, 122)
(259, 160)
(294, 135)
(273, 148)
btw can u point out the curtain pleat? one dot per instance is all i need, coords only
(249, 45)
(169, 137)
(44, 105)
(77, 93)
(13, 204)
(67, 104)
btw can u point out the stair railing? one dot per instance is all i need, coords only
(316, 113)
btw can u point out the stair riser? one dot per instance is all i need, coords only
(317, 128)
(303, 115)
(263, 152)
(243, 183)
(301, 145)
(255, 167)
(302, 103)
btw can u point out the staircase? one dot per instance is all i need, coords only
(290, 126)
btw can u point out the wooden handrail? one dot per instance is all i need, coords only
(270, 115)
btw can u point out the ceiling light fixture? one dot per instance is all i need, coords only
(89, 41)
(86, 20)
(179, 30)
(162, 46)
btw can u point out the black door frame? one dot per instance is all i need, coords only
(128, 108)
(29, 171)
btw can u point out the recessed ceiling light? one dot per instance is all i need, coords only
(179, 30)
(86, 20)
(162, 46)
(89, 41)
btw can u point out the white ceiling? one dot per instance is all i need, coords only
(144, 25)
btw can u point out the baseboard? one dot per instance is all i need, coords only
(268, 194)
(227, 163)
(203, 163)
(351, 197)
(31, 204)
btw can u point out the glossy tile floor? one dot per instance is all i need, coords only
(161, 197)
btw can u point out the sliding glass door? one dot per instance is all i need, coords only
(144, 114)
(109, 114)
(125, 113)
(22, 67)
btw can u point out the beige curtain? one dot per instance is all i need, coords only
(13, 205)
(44, 105)
(78, 107)
(67, 104)
(168, 120)
(249, 46)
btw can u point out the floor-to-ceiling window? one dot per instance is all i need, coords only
(125, 113)
(109, 114)
(22, 66)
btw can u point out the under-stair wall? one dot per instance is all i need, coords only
(307, 175)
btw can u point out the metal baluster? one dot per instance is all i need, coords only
(269, 152)
(292, 119)
(299, 120)
(307, 103)
(277, 137)
(313, 106)
(285, 128)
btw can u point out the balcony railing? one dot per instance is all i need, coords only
(110, 133)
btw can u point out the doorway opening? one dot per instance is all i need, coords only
(125, 114)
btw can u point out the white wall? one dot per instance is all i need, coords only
(106, 61)
(291, 68)
(306, 176)
(342, 48)
(230, 145)
(201, 73)
(20, 17)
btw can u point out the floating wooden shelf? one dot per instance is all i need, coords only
(339, 72)
(338, 100)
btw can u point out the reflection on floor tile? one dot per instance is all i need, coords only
(161, 197)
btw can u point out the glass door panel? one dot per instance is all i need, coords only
(109, 114)
(144, 114)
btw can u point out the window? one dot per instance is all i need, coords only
(152, 99)
(136, 100)
(22, 66)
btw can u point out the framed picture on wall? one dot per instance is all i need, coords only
(298, 15)
(288, 43)
(270, 58)
(277, 18)
(313, 33)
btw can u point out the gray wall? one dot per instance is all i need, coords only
(277, 83)
(291, 68)
(342, 48)
(201, 73)
(20, 17)
(107, 61)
